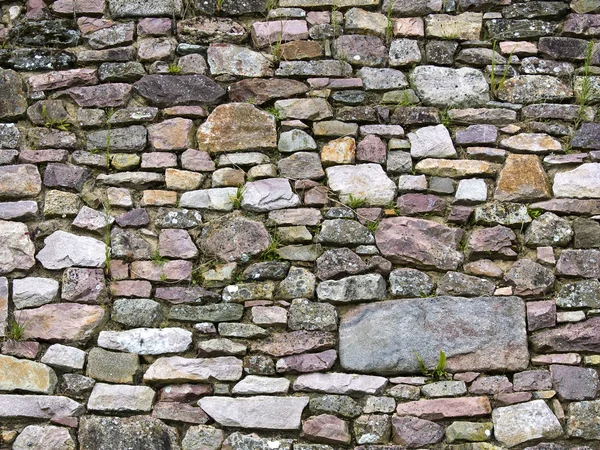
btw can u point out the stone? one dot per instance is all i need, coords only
(33, 291)
(256, 385)
(22, 209)
(144, 8)
(38, 407)
(269, 194)
(412, 432)
(339, 262)
(326, 428)
(353, 288)
(583, 263)
(237, 126)
(456, 169)
(46, 437)
(574, 383)
(446, 408)
(508, 214)
(573, 337)
(23, 375)
(581, 182)
(301, 165)
(522, 179)
(396, 347)
(471, 191)
(237, 60)
(363, 181)
(582, 419)
(456, 283)
(146, 341)
(529, 278)
(534, 89)
(442, 86)
(275, 413)
(586, 233)
(14, 100)
(431, 142)
(203, 437)
(62, 322)
(295, 141)
(410, 283)
(541, 314)
(64, 250)
(19, 181)
(235, 238)
(171, 90)
(112, 367)
(310, 362)
(64, 358)
(178, 369)
(532, 143)
(204, 29)
(268, 33)
(304, 109)
(421, 242)
(580, 294)
(311, 316)
(466, 26)
(340, 383)
(122, 433)
(524, 422)
(120, 398)
(548, 230)
(83, 285)
(262, 90)
(339, 405)
(469, 431)
(372, 429)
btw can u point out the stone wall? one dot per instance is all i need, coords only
(299, 224)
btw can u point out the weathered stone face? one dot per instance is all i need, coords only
(170, 90)
(14, 101)
(382, 337)
(16, 248)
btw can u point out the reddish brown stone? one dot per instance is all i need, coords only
(522, 179)
(260, 90)
(576, 337)
(446, 408)
(326, 428)
(541, 314)
(413, 204)
(58, 80)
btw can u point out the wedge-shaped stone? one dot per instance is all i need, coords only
(446, 408)
(364, 181)
(582, 182)
(382, 337)
(522, 179)
(235, 127)
(38, 407)
(340, 383)
(263, 412)
(421, 242)
(177, 369)
(524, 422)
(62, 249)
(24, 375)
(146, 341)
(120, 398)
(62, 322)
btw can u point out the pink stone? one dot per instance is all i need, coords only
(156, 49)
(192, 112)
(177, 270)
(62, 79)
(175, 243)
(158, 160)
(326, 428)
(409, 27)
(308, 362)
(102, 96)
(180, 412)
(196, 160)
(21, 349)
(318, 17)
(172, 134)
(413, 204)
(119, 270)
(43, 156)
(37, 10)
(78, 6)
(88, 25)
(510, 398)
(446, 408)
(267, 33)
(545, 255)
(572, 359)
(154, 26)
(371, 149)
(131, 288)
(467, 377)
(541, 314)
(184, 392)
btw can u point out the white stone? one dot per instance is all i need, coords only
(46, 437)
(582, 182)
(268, 195)
(472, 190)
(363, 181)
(340, 383)
(38, 406)
(64, 357)
(524, 422)
(120, 398)
(16, 248)
(296, 141)
(33, 291)
(218, 199)
(255, 385)
(179, 369)
(404, 52)
(408, 183)
(62, 250)
(146, 341)
(431, 142)
(263, 412)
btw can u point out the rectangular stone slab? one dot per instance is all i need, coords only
(477, 334)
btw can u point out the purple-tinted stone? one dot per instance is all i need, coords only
(135, 218)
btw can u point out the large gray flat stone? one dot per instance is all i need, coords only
(479, 334)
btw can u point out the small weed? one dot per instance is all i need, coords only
(534, 213)
(389, 29)
(163, 277)
(236, 199)
(435, 374)
(219, 5)
(58, 124)
(355, 202)
(276, 47)
(585, 94)
(372, 225)
(107, 239)
(109, 114)
(174, 68)
(445, 117)
(271, 253)
(15, 329)
(274, 112)
(406, 101)
(495, 85)
(334, 19)
(158, 259)
(271, 4)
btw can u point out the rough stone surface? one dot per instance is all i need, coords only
(516, 424)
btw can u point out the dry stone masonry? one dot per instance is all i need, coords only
(299, 224)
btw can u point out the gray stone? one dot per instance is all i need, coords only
(174, 90)
(64, 357)
(33, 291)
(207, 313)
(352, 289)
(38, 407)
(217, 199)
(401, 328)
(126, 433)
(410, 283)
(237, 60)
(340, 383)
(130, 139)
(299, 283)
(534, 89)
(19, 210)
(339, 262)
(273, 413)
(548, 230)
(147, 341)
(269, 194)
(46, 437)
(582, 182)
(203, 437)
(16, 248)
(529, 278)
(295, 141)
(14, 101)
(339, 405)
(325, 68)
(582, 420)
(256, 385)
(139, 312)
(579, 263)
(372, 429)
(344, 232)
(9, 135)
(574, 383)
(301, 165)
(524, 422)
(238, 441)
(176, 369)
(444, 389)
(311, 316)
(64, 250)
(509, 214)
(431, 142)
(112, 367)
(579, 294)
(145, 8)
(120, 398)
(382, 79)
(19, 181)
(443, 86)
(361, 50)
(459, 284)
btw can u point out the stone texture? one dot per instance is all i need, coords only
(16, 248)
(506, 339)
(446, 408)
(412, 432)
(524, 422)
(522, 179)
(45, 437)
(363, 181)
(146, 341)
(581, 182)
(440, 86)
(170, 90)
(28, 376)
